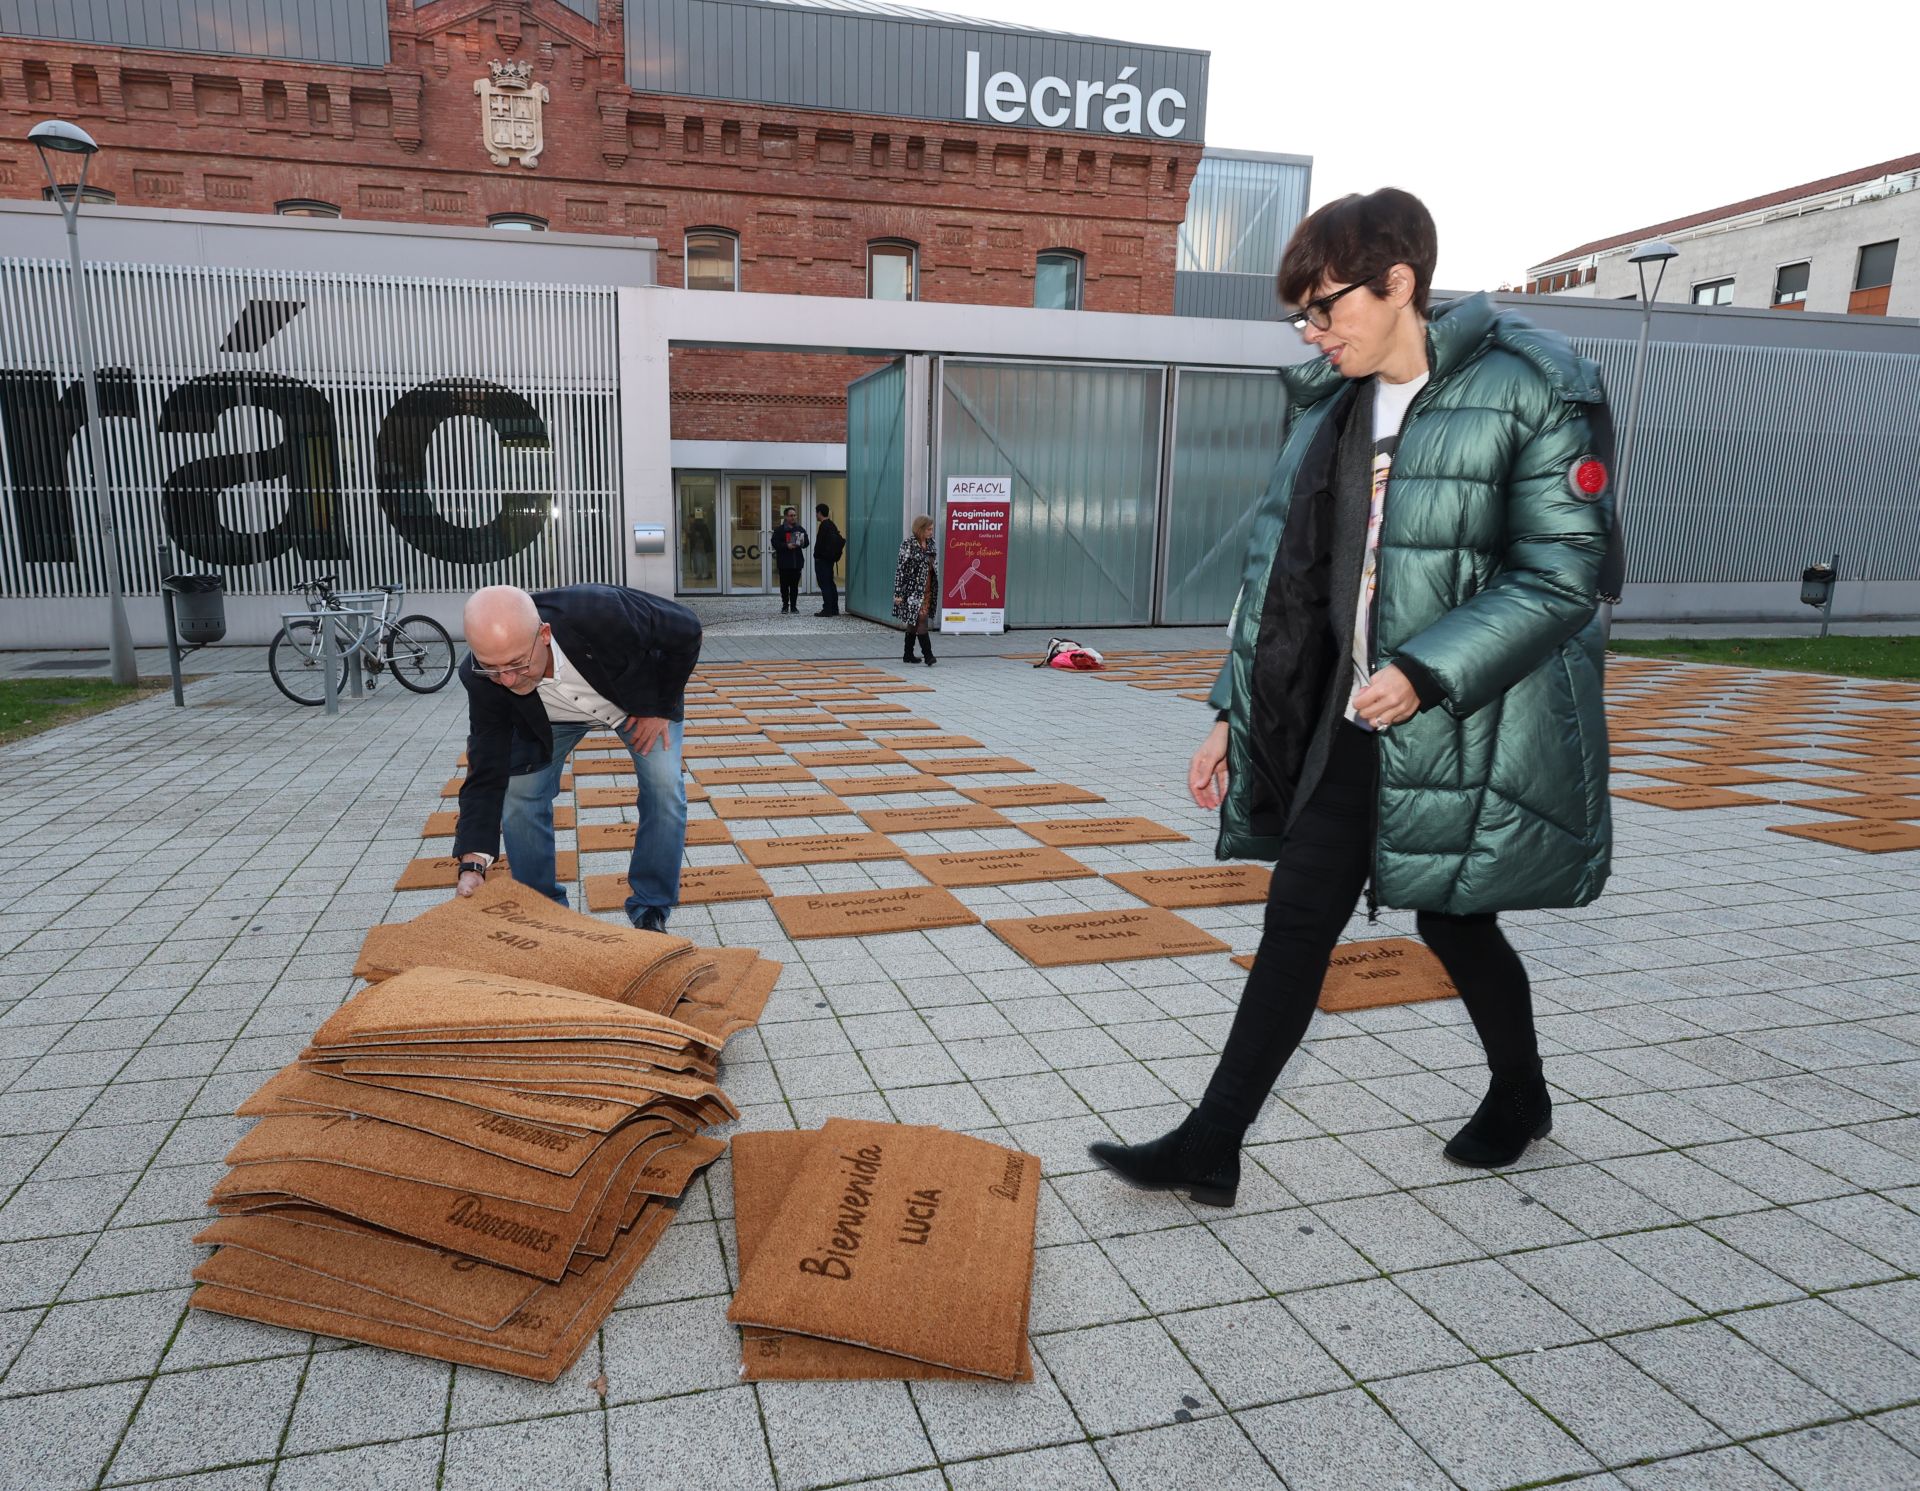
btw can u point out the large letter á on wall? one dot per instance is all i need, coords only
(400, 465)
(307, 458)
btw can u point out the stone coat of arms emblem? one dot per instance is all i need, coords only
(510, 109)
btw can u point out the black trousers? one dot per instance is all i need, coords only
(789, 589)
(829, 592)
(1317, 881)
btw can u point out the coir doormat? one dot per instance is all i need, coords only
(1029, 795)
(998, 867)
(792, 805)
(443, 872)
(913, 1241)
(819, 849)
(764, 1164)
(934, 820)
(741, 776)
(886, 784)
(1207, 885)
(959, 766)
(870, 756)
(1863, 834)
(913, 908)
(929, 743)
(697, 886)
(1688, 799)
(1068, 832)
(1104, 937)
(444, 825)
(1370, 975)
(1890, 808)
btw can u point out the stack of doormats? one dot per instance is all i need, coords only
(883, 1251)
(468, 1163)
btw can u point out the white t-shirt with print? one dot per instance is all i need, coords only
(1390, 404)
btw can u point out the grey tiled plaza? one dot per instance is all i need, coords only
(1704, 1281)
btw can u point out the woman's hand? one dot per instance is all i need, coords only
(1387, 700)
(1207, 772)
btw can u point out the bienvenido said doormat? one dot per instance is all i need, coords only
(916, 1242)
(1374, 974)
(1104, 937)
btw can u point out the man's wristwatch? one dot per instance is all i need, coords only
(474, 867)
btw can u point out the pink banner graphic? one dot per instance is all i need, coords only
(974, 567)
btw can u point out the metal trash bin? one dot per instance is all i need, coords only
(199, 608)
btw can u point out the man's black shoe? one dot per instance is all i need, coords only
(652, 920)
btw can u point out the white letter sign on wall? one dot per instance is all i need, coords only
(1128, 110)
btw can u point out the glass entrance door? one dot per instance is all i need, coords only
(747, 529)
(698, 495)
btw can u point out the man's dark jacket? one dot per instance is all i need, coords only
(828, 545)
(634, 649)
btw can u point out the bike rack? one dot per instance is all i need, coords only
(330, 648)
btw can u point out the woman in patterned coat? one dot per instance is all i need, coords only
(916, 581)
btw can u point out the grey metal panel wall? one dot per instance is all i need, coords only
(1082, 445)
(436, 434)
(1227, 430)
(1225, 297)
(876, 477)
(1240, 214)
(822, 59)
(1753, 462)
(353, 32)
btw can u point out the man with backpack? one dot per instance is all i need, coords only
(828, 545)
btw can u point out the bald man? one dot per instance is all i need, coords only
(544, 670)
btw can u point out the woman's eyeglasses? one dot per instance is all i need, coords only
(1319, 312)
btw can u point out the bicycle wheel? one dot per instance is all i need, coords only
(420, 654)
(294, 662)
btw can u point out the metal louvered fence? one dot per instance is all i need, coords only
(276, 426)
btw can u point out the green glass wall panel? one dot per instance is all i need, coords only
(1082, 445)
(1226, 437)
(876, 479)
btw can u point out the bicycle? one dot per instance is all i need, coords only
(415, 649)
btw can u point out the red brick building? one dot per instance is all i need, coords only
(802, 193)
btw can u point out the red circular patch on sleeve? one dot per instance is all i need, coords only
(1588, 478)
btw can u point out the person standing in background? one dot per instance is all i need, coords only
(828, 546)
(916, 579)
(790, 556)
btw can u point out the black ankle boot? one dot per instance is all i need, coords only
(906, 655)
(1516, 1110)
(1199, 1158)
(926, 648)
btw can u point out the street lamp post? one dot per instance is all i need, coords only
(56, 137)
(1657, 252)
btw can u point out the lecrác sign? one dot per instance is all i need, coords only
(974, 579)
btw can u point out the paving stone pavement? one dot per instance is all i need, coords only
(1705, 1279)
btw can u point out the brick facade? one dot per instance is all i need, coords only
(805, 191)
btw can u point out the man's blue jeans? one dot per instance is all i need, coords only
(653, 874)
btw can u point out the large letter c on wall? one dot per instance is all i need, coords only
(400, 466)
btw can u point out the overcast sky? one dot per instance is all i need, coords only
(1532, 128)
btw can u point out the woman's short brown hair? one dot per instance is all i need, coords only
(1356, 240)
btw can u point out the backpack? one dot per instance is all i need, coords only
(1071, 657)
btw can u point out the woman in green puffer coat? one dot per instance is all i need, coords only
(1412, 702)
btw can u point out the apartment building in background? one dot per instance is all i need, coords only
(1846, 244)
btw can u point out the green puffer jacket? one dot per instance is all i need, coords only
(1494, 798)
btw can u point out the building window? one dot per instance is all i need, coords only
(1790, 287)
(1713, 292)
(1876, 265)
(713, 260)
(1873, 279)
(891, 271)
(91, 194)
(1056, 281)
(518, 222)
(306, 207)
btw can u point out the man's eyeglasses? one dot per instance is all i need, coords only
(1319, 312)
(525, 665)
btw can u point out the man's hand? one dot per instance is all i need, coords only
(1207, 772)
(1387, 700)
(642, 732)
(470, 881)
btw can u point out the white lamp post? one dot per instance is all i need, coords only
(1661, 253)
(57, 138)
